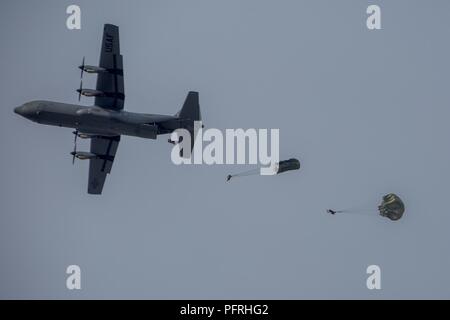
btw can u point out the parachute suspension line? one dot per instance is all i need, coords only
(245, 173)
(279, 167)
(359, 212)
(358, 208)
(366, 210)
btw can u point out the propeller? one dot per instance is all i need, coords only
(74, 146)
(82, 68)
(80, 90)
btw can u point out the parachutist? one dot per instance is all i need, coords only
(392, 207)
(229, 177)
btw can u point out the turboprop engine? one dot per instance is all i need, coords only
(84, 155)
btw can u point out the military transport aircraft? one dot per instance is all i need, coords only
(106, 121)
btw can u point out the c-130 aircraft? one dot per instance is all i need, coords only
(106, 121)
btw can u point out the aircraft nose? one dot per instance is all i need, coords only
(18, 110)
(26, 111)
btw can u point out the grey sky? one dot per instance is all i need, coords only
(366, 112)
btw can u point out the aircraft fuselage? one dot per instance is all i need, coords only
(93, 120)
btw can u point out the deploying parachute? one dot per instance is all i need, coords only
(280, 167)
(287, 165)
(391, 207)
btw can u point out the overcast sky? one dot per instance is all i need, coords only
(366, 112)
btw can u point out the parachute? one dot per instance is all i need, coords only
(391, 207)
(280, 167)
(287, 165)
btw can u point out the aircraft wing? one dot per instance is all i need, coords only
(111, 82)
(105, 148)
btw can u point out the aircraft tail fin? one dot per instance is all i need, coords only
(189, 113)
(191, 108)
